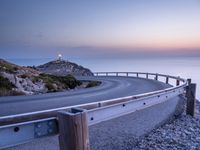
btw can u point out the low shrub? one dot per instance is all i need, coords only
(63, 82)
(6, 92)
(50, 87)
(24, 76)
(93, 84)
(5, 83)
(36, 79)
(7, 67)
(70, 81)
(6, 88)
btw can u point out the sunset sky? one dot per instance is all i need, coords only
(98, 28)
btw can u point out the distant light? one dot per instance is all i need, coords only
(59, 56)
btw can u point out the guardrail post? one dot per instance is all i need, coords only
(177, 82)
(156, 77)
(97, 74)
(167, 80)
(73, 130)
(127, 74)
(116, 73)
(189, 81)
(147, 75)
(190, 95)
(106, 74)
(137, 75)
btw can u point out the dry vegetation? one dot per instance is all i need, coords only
(58, 83)
(7, 88)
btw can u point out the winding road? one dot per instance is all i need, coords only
(111, 87)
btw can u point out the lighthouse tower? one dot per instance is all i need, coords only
(59, 57)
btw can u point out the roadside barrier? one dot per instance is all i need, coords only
(71, 123)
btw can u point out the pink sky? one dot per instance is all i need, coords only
(115, 27)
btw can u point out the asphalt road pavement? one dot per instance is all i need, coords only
(111, 87)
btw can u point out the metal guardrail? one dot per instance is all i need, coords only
(20, 128)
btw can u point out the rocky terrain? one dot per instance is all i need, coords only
(183, 133)
(61, 67)
(17, 80)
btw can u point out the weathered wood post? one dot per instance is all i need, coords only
(167, 80)
(73, 130)
(190, 95)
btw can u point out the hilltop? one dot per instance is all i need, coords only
(50, 77)
(61, 67)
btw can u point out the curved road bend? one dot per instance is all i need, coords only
(111, 87)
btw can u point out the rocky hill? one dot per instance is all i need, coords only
(62, 67)
(50, 77)
(19, 80)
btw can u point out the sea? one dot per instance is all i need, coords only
(185, 67)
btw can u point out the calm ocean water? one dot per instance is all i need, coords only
(186, 67)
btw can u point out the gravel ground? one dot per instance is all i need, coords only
(183, 133)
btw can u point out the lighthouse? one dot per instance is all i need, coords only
(60, 57)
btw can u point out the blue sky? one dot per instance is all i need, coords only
(91, 28)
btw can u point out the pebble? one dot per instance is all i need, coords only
(183, 133)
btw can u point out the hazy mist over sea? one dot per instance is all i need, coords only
(186, 67)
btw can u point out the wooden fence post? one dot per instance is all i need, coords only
(190, 95)
(73, 130)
